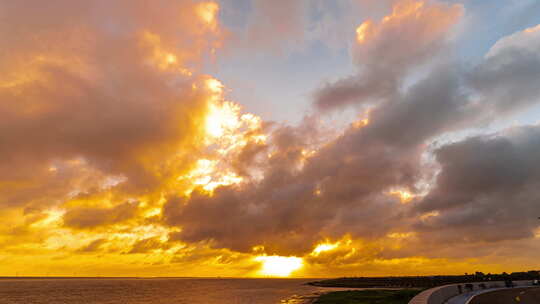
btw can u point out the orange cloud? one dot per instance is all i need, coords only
(417, 24)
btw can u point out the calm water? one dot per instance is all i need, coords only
(156, 291)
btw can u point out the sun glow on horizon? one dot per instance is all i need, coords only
(279, 266)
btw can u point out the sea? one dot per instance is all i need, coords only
(157, 291)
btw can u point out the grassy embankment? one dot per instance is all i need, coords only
(375, 296)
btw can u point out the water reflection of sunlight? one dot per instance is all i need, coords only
(296, 299)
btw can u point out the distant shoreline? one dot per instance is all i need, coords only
(423, 281)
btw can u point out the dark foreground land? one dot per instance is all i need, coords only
(515, 295)
(375, 296)
(424, 281)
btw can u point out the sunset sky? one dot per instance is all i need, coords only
(256, 138)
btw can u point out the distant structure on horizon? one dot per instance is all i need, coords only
(427, 281)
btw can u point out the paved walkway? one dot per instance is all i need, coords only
(524, 295)
(464, 297)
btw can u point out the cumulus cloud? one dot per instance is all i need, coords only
(385, 50)
(347, 185)
(101, 103)
(506, 79)
(103, 87)
(488, 186)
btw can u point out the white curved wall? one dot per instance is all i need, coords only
(439, 295)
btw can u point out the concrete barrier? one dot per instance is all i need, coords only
(441, 294)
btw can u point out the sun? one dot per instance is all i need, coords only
(279, 266)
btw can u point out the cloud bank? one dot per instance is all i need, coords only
(114, 142)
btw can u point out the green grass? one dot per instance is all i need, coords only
(375, 296)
